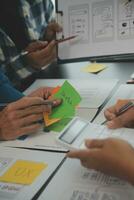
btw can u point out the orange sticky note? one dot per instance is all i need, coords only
(49, 121)
(54, 91)
(23, 172)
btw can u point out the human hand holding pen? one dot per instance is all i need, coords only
(41, 53)
(116, 120)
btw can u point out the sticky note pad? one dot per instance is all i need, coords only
(59, 126)
(23, 172)
(70, 99)
(49, 121)
(94, 68)
(55, 90)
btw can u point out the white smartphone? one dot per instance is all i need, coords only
(75, 133)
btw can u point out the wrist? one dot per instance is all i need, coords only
(131, 174)
(129, 170)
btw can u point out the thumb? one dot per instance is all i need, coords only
(56, 102)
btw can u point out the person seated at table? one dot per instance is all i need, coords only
(114, 157)
(18, 71)
(35, 22)
(22, 114)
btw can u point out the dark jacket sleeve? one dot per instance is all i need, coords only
(7, 92)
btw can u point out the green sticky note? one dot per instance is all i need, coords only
(59, 126)
(62, 112)
(70, 99)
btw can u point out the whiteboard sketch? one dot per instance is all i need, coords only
(126, 20)
(79, 21)
(103, 21)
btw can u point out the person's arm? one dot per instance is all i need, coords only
(111, 156)
(7, 92)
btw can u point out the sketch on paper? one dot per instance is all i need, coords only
(79, 22)
(103, 21)
(125, 20)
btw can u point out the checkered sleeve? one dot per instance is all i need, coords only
(15, 71)
(35, 17)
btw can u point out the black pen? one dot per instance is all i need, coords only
(123, 109)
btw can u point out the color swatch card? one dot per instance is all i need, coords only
(70, 99)
(48, 121)
(62, 113)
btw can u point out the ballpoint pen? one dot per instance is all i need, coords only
(123, 109)
(24, 53)
(66, 39)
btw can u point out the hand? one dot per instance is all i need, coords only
(36, 46)
(111, 156)
(124, 120)
(51, 31)
(22, 117)
(41, 53)
(43, 92)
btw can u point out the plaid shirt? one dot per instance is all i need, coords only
(16, 71)
(35, 15)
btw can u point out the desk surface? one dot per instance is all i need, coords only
(117, 70)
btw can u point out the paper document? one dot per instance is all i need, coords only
(84, 184)
(23, 172)
(103, 28)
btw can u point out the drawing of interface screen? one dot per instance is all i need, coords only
(102, 27)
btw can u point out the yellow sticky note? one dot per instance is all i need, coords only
(94, 68)
(23, 172)
(49, 121)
